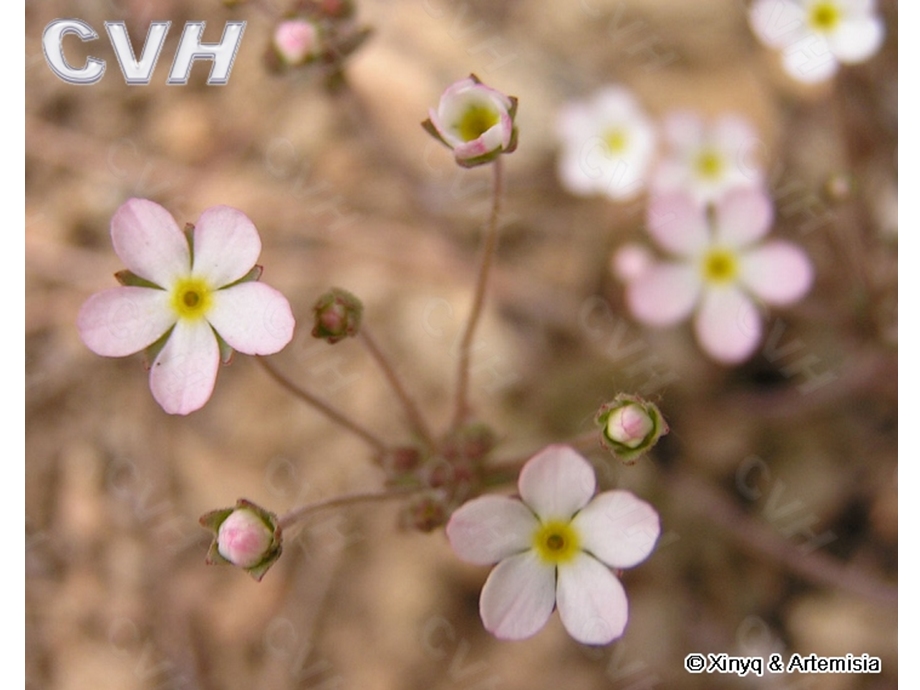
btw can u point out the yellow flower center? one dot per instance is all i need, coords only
(556, 542)
(191, 298)
(477, 120)
(720, 266)
(709, 164)
(824, 16)
(615, 140)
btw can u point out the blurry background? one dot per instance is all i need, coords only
(777, 485)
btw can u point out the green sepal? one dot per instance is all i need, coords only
(254, 274)
(153, 350)
(226, 352)
(129, 279)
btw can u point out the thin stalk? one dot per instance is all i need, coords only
(416, 420)
(461, 409)
(297, 514)
(330, 412)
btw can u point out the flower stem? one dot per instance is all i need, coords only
(333, 414)
(461, 409)
(416, 419)
(297, 514)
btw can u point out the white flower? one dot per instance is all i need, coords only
(196, 291)
(475, 121)
(707, 160)
(719, 270)
(607, 145)
(555, 547)
(815, 35)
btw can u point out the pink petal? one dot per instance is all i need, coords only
(149, 241)
(124, 320)
(618, 528)
(727, 325)
(591, 601)
(489, 528)
(227, 245)
(518, 597)
(777, 272)
(743, 216)
(664, 294)
(678, 223)
(684, 131)
(857, 39)
(252, 318)
(182, 376)
(556, 482)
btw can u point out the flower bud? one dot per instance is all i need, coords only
(296, 41)
(630, 426)
(246, 536)
(337, 315)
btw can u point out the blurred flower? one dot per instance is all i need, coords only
(246, 536)
(555, 547)
(720, 270)
(192, 296)
(630, 261)
(707, 160)
(816, 35)
(476, 121)
(631, 426)
(296, 41)
(608, 144)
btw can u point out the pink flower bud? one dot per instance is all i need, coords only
(337, 315)
(243, 538)
(631, 426)
(296, 41)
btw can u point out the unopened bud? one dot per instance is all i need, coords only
(337, 315)
(296, 41)
(246, 536)
(630, 426)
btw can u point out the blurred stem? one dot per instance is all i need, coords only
(461, 409)
(334, 415)
(297, 514)
(416, 419)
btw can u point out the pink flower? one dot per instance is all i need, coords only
(554, 548)
(707, 160)
(296, 41)
(475, 121)
(816, 35)
(719, 270)
(191, 294)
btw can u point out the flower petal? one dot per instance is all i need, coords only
(518, 597)
(857, 39)
(727, 325)
(591, 601)
(489, 528)
(778, 22)
(227, 245)
(810, 60)
(664, 294)
(678, 224)
(124, 320)
(777, 272)
(743, 216)
(146, 237)
(182, 376)
(618, 528)
(683, 130)
(556, 482)
(252, 318)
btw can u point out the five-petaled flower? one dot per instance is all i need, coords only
(475, 121)
(554, 548)
(816, 35)
(707, 160)
(193, 295)
(608, 145)
(719, 269)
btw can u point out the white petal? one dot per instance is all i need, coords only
(810, 60)
(227, 245)
(182, 376)
(556, 482)
(579, 178)
(591, 601)
(678, 223)
(518, 597)
(857, 39)
(618, 528)
(146, 237)
(727, 325)
(253, 318)
(664, 294)
(489, 528)
(743, 216)
(778, 22)
(124, 320)
(683, 131)
(777, 272)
